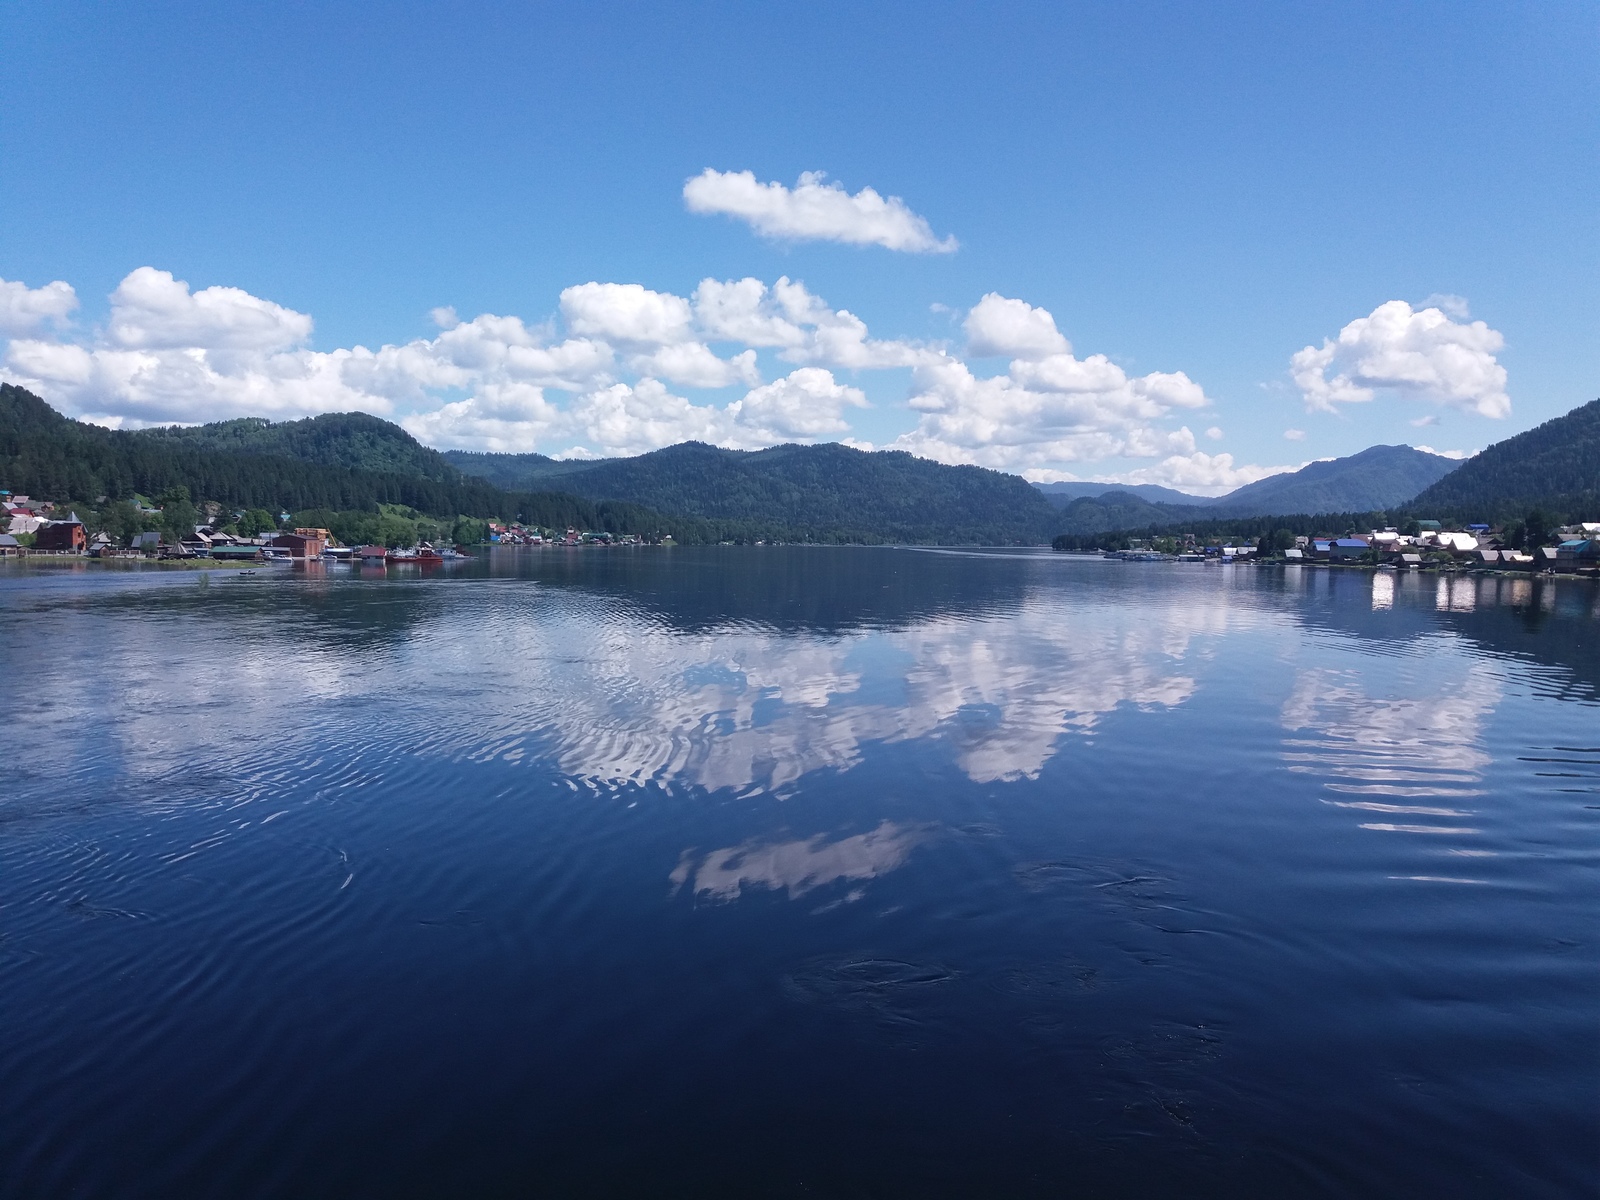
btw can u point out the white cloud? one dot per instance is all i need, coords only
(693, 365)
(1055, 410)
(1012, 329)
(627, 313)
(808, 403)
(1214, 433)
(1294, 435)
(802, 326)
(626, 419)
(150, 310)
(1456, 454)
(1448, 302)
(1424, 422)
(1420, 354)
(813, 211)
(171, 355)
(24, 310)
(512, 418)
(746, 310)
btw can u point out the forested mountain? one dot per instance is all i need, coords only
(520, 472)
(887, 495)
(45, 454)
(1063, 494)
(697, 492)
(1554, 466)
(352, 439)
(1378, 478)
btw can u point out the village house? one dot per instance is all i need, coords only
(1346, 549)
(68, 537)
(302, 543)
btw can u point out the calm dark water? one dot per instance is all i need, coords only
(811, 872)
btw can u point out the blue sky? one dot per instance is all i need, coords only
(1197, 189)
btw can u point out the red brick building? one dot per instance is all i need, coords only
(68, 535)
(302, 543)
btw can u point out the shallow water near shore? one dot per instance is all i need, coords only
(798, 872)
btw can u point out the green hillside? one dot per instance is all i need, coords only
(883, 495)
(1122, 510)
(45, 454)
(353, 440)
(1555, 466)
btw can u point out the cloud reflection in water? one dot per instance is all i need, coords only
(799, 865)
(1383, 755)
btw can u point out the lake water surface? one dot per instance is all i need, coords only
(798, 872)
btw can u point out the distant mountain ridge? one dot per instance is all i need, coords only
(1555, 466)
(888, 495)
(1063, 494)
(827, 491)
(1378, 478)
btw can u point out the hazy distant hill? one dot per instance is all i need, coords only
(1555, 466)
(1378, 478)
(1122, 510)
(1063, 494)
(885, 494)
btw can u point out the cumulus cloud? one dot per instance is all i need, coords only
(627, 313)
(24, 310)
(1215, 433)
(171, 356)
(634, 418)
(1449, 302)
(1012, 328)
(608, 375)
(693, 365)
(500, 419)
(150, 310)
(1456, 454)
(1053, 410)
(1294, 435)
(813, 211)
(808, 403)
(800, 325)
(1421, 354)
